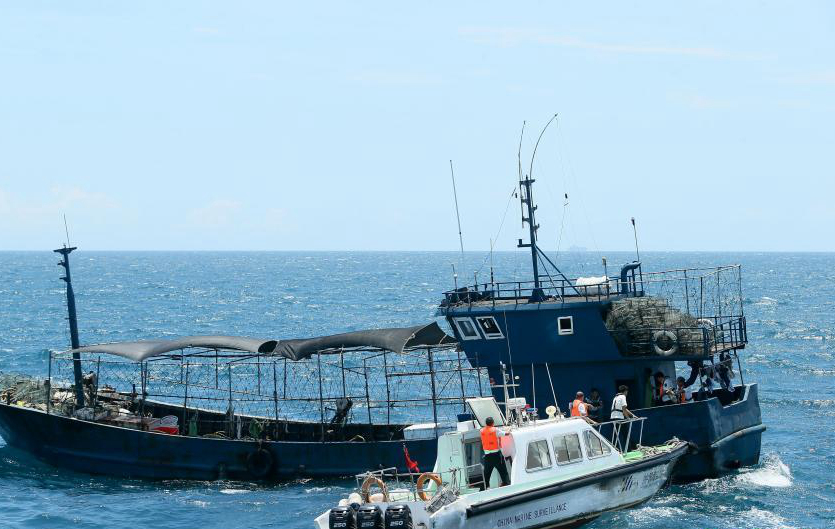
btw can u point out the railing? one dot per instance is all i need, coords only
(549, 289)
(617, 438)
(700, 291)
(712, 335)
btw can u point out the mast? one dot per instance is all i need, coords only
(526, 197)
(76, 357)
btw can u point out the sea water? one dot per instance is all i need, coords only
(789, 302)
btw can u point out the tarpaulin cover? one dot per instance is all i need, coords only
(395, 339)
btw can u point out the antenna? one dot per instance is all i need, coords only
(457, 216)
(454, 276)
(492, 280)
(530, 171)
(67, 231)
(635, 232)
(519, 158)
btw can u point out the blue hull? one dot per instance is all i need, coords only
(722, 438)
(103, 449)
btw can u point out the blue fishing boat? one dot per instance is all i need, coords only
(640, 330)
(210, 407)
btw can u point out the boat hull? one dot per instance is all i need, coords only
(104, 449)
(578, 501)
(565, 504)
(723, 437)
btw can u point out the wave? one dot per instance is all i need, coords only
(773, 473)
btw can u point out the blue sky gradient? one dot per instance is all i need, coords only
(288, 126)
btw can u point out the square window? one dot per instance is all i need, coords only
(466, 329)
(567, 448)
(595, 446)
(539, 457)
(489, 327)
(565, 325)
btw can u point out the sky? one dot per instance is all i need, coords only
(331, 125)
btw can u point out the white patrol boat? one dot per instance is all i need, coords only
(563, 473)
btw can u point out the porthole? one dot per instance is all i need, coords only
(565, 325)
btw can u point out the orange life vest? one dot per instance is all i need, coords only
(575, 408)
(489, 439)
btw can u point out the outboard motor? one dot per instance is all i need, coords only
(342, 518)
(398, 517)
(370, 517)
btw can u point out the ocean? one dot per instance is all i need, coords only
(789, 302)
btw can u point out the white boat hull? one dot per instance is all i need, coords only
(562, 509)
(560, 505)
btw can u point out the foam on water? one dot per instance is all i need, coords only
(772, 473)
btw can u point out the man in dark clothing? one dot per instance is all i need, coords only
(595, 405)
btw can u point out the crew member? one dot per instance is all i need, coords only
(492, 454)
(663, 392)
(683, 394)
(595, 405)
(578, 406)
(619, 409)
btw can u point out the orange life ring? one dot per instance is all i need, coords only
(365, 490)
(421, 481)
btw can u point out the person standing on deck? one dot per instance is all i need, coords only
(492, 454)
(619, 409)
(663, 393)
(595, 405)
(578, 406)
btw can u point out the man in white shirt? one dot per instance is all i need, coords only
(619, 409)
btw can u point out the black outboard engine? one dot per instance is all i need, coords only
(398, 517)
(342, 518)
(370, 517)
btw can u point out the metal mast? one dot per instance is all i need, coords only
(526, 197)
(76, 357)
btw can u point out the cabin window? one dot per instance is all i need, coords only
(595, 447)
(539, 457)
(567, 448)
(489, 327)
(466, 329)
(565, 325)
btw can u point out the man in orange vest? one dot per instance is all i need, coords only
(492, 454)
(578, 406)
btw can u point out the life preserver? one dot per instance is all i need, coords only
(421, 481)
(259, 463)
(657, 336)
(365, 489)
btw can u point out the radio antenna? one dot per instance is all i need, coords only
(457, 216)
(519, 158)
(533, 155)
(635, 232)
(66, 230)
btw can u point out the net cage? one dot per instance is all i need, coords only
(693, 311)
(338, 387)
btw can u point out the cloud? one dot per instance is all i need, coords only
(215, 214)
(822, 77)
(203, 30)
(518, 36)
(395, 78)
(703, 102)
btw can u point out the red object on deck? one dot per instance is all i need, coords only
(170, 430)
